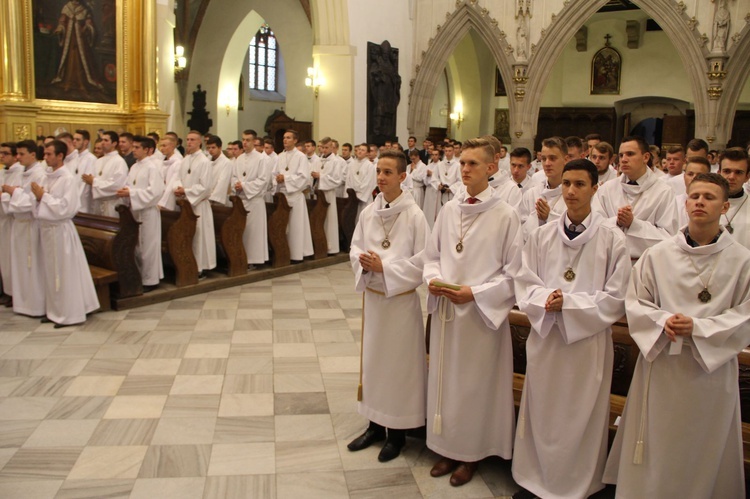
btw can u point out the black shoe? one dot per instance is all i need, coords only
(366, 439)
(45, 320)
(390, 451)
(524, 494)
(148, 289)
(201, 275)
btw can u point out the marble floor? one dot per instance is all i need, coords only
(247, 392)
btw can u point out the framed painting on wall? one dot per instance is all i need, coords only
(78, 50)
(605, 71)
(500, 90)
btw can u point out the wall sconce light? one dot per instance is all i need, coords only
(180, 62)
(314, 80)
(457, 116)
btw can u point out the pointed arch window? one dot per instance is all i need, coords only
(263, 57)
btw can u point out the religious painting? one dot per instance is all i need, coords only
(605, 71)
(502, 125)
(500, 90)
(75, 50)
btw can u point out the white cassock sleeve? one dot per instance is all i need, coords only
(52, 209)
(643, 234)
(252, 188)
(331, 178)
(20, 202)
(722, 337)
(365, 183)
(148, 196)
(107, 187)
(201, 190)
(645, 319)
(299, 179)
(361, 278)
(496, 297)
(405, 274)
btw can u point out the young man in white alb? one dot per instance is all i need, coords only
(386, 257)
(681, 434)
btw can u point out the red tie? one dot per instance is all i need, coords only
(472, 200)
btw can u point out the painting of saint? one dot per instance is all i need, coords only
(605, 71)
(75, 57)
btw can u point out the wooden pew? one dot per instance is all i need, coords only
(177, 231)
(316, 210)
(625, 356)
(109, 244)
(278, 220)
(347, 209)
(229, 225)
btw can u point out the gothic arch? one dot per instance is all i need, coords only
(738, 71)
(670, 16)
(467, 16)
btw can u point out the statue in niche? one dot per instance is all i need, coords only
(522, 40)
(722, 19)
(199, 119)
(383, 92)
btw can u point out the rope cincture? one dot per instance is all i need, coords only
(446, 313)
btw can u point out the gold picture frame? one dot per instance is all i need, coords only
(72, 108)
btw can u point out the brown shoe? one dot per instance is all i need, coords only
(463, 474)
(443, 467)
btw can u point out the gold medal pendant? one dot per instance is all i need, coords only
(286, 169)
(729, 228)
(704, 296)
(386, 243)
(569, 274)
(460, 247)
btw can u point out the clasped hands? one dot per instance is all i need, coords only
(678, 325)
(371, 262)
(554, 301)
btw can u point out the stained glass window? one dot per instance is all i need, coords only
(263, 57)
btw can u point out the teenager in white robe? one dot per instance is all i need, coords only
(637, 202)
(418, 172)
(194, 181)
(518, 180)
(476, 247)
(329, 177)
(563, 423)
(362, 178)
(602, 154)
(69, 292)
(734, 168)
(271, 157)
(432, 197)
(543, 203)
(444, 184)
(170, 169)
(394, 368)
(11, 175)
(314, 162)
(86, 165)
(291, 177)
(142, 191)
(109, 176)
(250, 180)
(27, 270)
(680, 434)
(221, 171)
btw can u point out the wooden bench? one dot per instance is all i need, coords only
(177, 232)
(277, 214)
(317, 209)
(109, 244)
(625, 356)
(347, 210)
(229, 225)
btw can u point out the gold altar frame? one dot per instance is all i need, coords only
(122, 11)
